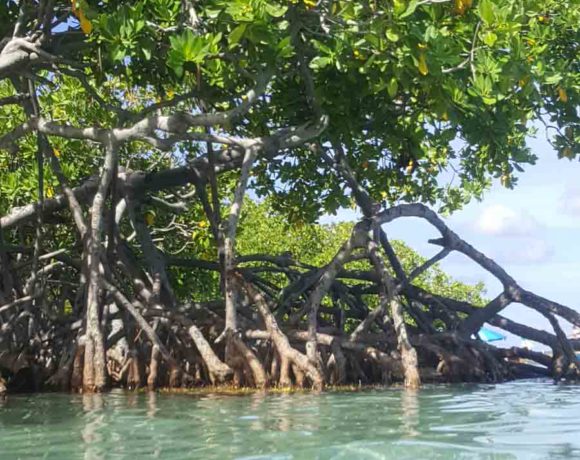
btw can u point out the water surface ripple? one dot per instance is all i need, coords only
(519, 420)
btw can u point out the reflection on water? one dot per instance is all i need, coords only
(410, 413)
(510, 421)
(94, 424)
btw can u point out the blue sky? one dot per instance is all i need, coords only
(532, 231)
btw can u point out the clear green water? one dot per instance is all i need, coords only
(515, 420)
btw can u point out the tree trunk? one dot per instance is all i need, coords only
(153, 368)
(408, 353)
(76, 378)
(234, 344)
(230, 237)
(95, 371)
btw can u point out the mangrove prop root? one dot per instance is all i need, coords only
(124, 313)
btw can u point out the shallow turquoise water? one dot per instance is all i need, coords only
(524, 420)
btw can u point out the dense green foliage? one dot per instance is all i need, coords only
(412, 89)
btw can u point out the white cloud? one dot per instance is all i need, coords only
(500, 220)
(570, 203)
(528, 251)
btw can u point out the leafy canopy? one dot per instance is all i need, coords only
(416, 91)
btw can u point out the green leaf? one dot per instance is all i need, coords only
(553, 79)
(276, 11)
(139, 25)
(147, 53)
(486, 11)
(410, 9)
(489, 39)
(211, 13)
(118, 53)
(178, 69)
(237, 34)
(392, 87)
(320, 62)
(392, 35)
(321, 47)
(488, 100)
(191, 47)
(258, 33)
(285, 48)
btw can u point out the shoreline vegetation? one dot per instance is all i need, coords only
(135, 140)
(380, 346)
